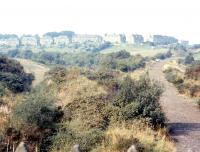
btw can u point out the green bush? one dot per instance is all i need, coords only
(37, 118)
(163, 56)
(172, 76)
(189, 59)
(32, 108)
(66, 138)
(140, 104)
(13, 76)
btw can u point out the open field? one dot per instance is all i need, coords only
(37, 69)
(143, 50)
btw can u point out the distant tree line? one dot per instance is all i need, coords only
(121, 60)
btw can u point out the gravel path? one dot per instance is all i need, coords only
(183, 115)
(37, 69)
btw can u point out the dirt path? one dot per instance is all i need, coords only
(182, 113)
(37, 69)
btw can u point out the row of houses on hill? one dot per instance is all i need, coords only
(63, 40)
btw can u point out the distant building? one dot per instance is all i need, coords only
(135, 39)
(115, 38)
(163, 40)
(28, 40)
(81, 38)
(183, 42)
(61, 41)
(12, 42)
(46, 41)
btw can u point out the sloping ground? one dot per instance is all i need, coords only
(142, 50)
(37, 69)
(182, 113)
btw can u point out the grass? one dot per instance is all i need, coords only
(79, 87)
(120, 137)
(143, 50)
(174, 65)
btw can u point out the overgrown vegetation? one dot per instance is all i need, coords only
(163, 56)
(121, 60)
(186, 83)
(13, 76)
(104, 98)
(88, 106)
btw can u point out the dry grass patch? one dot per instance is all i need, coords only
(120, 137)
(174, 65)
(79, 87)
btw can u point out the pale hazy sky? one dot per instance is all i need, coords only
(180, 18)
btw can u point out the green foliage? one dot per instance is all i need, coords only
(66, 138)
(58, 74)
(33, 107)
(140, 104)
(183, 86)
(123, 61)
(93, 111)
(85, 120)
(105, 77)
(171, 76)
(37, 117)
(12, 75)
(163, 56)
(189, 59)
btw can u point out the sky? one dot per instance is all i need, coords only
(179, 18)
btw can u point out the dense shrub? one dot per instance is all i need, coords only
(182, 84)
(121, 60)
(93, 111)
(86, 118)
(37, 118)
(193, 72)
(172, 76)
(33, 106)
(163, 56)
(13, 77)
(66, 138)
(189, 59)
(140, 104)
(58, 74)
